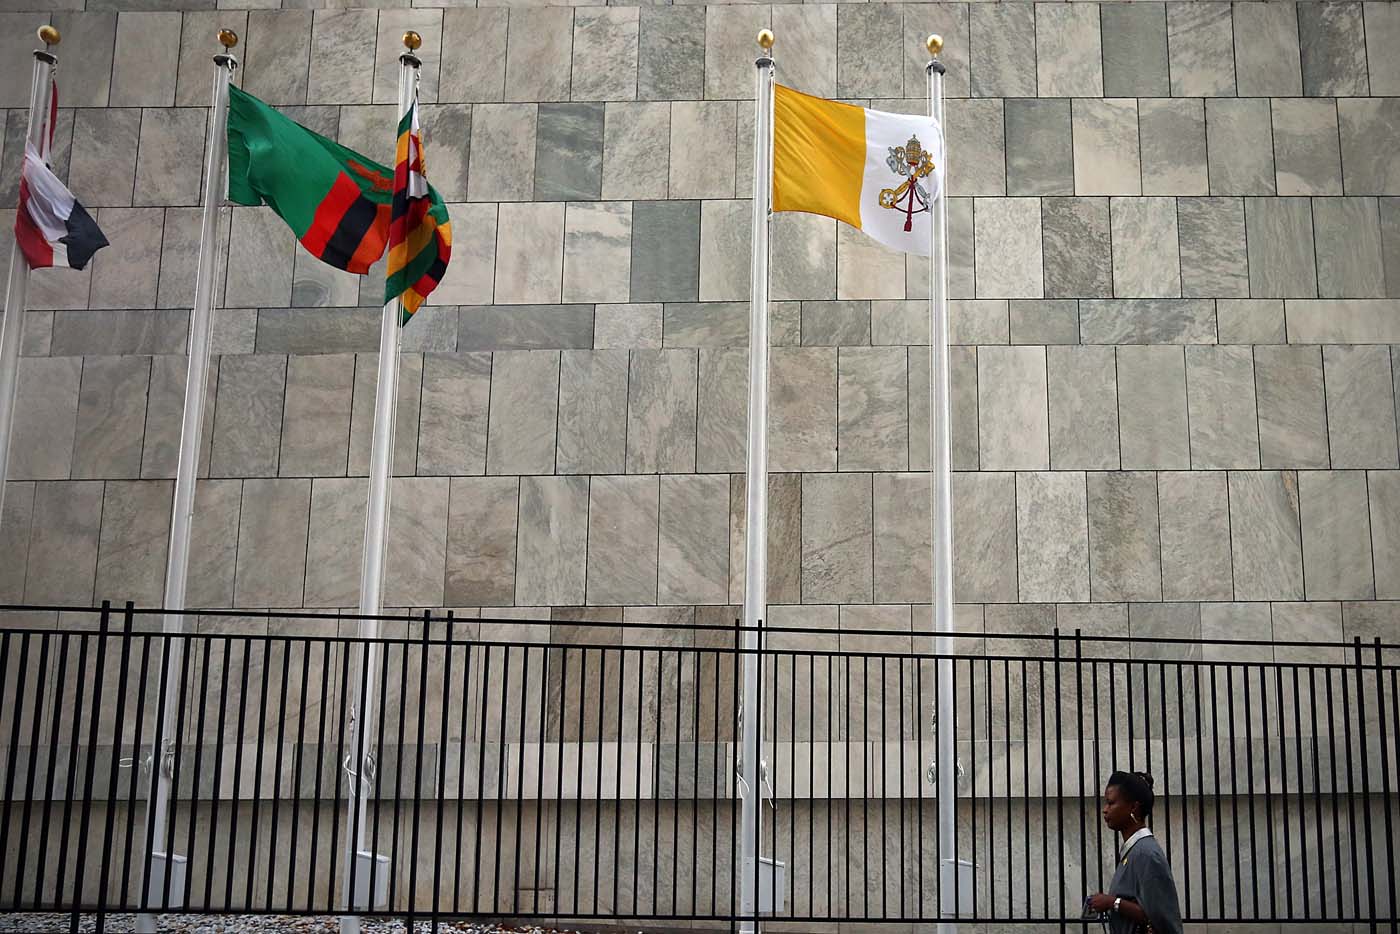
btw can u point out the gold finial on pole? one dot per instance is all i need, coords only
(411, 41)
(934, 44)
(765, 39)
(228, 38)
(48, 35)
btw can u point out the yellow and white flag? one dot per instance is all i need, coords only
(879, 172)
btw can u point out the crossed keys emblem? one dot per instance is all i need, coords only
(912, 162)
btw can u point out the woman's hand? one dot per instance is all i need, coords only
(1101, 903)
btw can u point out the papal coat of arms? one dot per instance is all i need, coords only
(912, 162)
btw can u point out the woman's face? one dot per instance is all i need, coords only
(1117, 810)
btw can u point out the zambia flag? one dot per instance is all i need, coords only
(420, 236)
(335, 200)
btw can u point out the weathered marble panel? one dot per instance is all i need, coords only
(1125, 546)
(1222, 413)
(622, 541)
(693, 543)
(1266, 535)
(837, 538)
(1052, 542)
(1336, 528)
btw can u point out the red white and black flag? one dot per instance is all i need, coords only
(51, 227)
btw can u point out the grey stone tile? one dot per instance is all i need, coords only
(622, 541)
(1106, 147)
(833, 324)
(810, 48)
(1382, 33)
(665, 251)
(277, 62)
(179, 256)
(342, 41)
(14, 539)
(551, 548)
(978, 321)
(1265, 535)
(1147, 321)
(524, 412)
(705, 324)
(1280, 236)
(132, 545)
(1348, 241)
(703, 139)
(361, 128)
(450, 163)
(1224, 419)
(1012, 399)
(784, 539)
(503, 145)
(36, 335)
(837, 538)
(143, 74)
(984, 537)
(335, 542)
(1152, 408)
(406, 417)
(529, 253)
(661, 411)
(1390, 244)
(1308, 623)
(951, 22)
(452, 419)
(1146, 259)
(605, 54)
(1068, 48)
(272, 535)
(1337, 563)
(525, 327)
(306, 330)
(721, 418)
(1045, 321)
(902, 565)
(962, 367)
(316, 415)
(417, 542)
(104, 162)
(569, 152)
(198, 43)
(19, 41)
(1077, 247)
(1008, 243)
(481, 541)
(1342, 321)
(1083, 402)
(248, 418)
(597, 252)
(1306, 147)
(87, 76)
(1266, 50)
(1332, 44)
(1370, 131)
(1052, 544)
(1002, 50)
(872, 408)
(1250, 321)
(730, 50)
(63, 543)
(1125, 548)
(165, 402)
(980, 128)
(1292, 417)
(473, 54)
(1214, 261)
(1383, 488)
(79, 333)
(260, 255)
(538, 46)
(315, 283)
(636, 150)
(1239, 144)
(592, 412)
(961, 253)
(671, 53)
(1134, 50)
(869, 53)
(111, 418)
(1039, 148)
(1195, 529)
(802, 408)
(725, 253)
(899, 322)
(693, 546)
(46, 398)
(1173, 139)
(122, 274)
(1360, 406)
(1201, 42)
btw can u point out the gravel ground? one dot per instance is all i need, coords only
(20, 923)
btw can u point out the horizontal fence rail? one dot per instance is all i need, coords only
(546, 771)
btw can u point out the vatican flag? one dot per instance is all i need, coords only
(877, 171)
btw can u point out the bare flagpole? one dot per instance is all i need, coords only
(12, 327)
(360, 766)
(940, 461)
(159, 879)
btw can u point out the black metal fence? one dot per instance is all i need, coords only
(543, 771)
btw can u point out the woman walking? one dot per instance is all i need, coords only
(1142, 896)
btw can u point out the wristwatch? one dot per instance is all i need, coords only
(1117, 903)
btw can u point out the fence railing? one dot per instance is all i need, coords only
(543, 771)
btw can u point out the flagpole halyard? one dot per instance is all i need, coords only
(17, 286)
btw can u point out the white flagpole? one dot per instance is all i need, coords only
(940, 463)
(186, 477)
(12, 327)
(381, 464)
(756, 476)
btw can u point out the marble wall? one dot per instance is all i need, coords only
(1175, 272)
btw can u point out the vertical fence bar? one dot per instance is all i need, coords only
(298, 756)
(1248, 711)
(441, 777)
(104, 622)
(256, 808)
(40, 682)
(136, 767)
(1385, 783)
(1364, 755)
(74, 736)
(520, 774)
(1351, 784)
(16, 727)
(118, 731)
(55, 723)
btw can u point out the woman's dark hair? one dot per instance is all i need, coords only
(1136, 787)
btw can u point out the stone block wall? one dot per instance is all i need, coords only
(1175, 272)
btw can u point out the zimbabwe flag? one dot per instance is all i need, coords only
(335, 200)
(420, 236)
